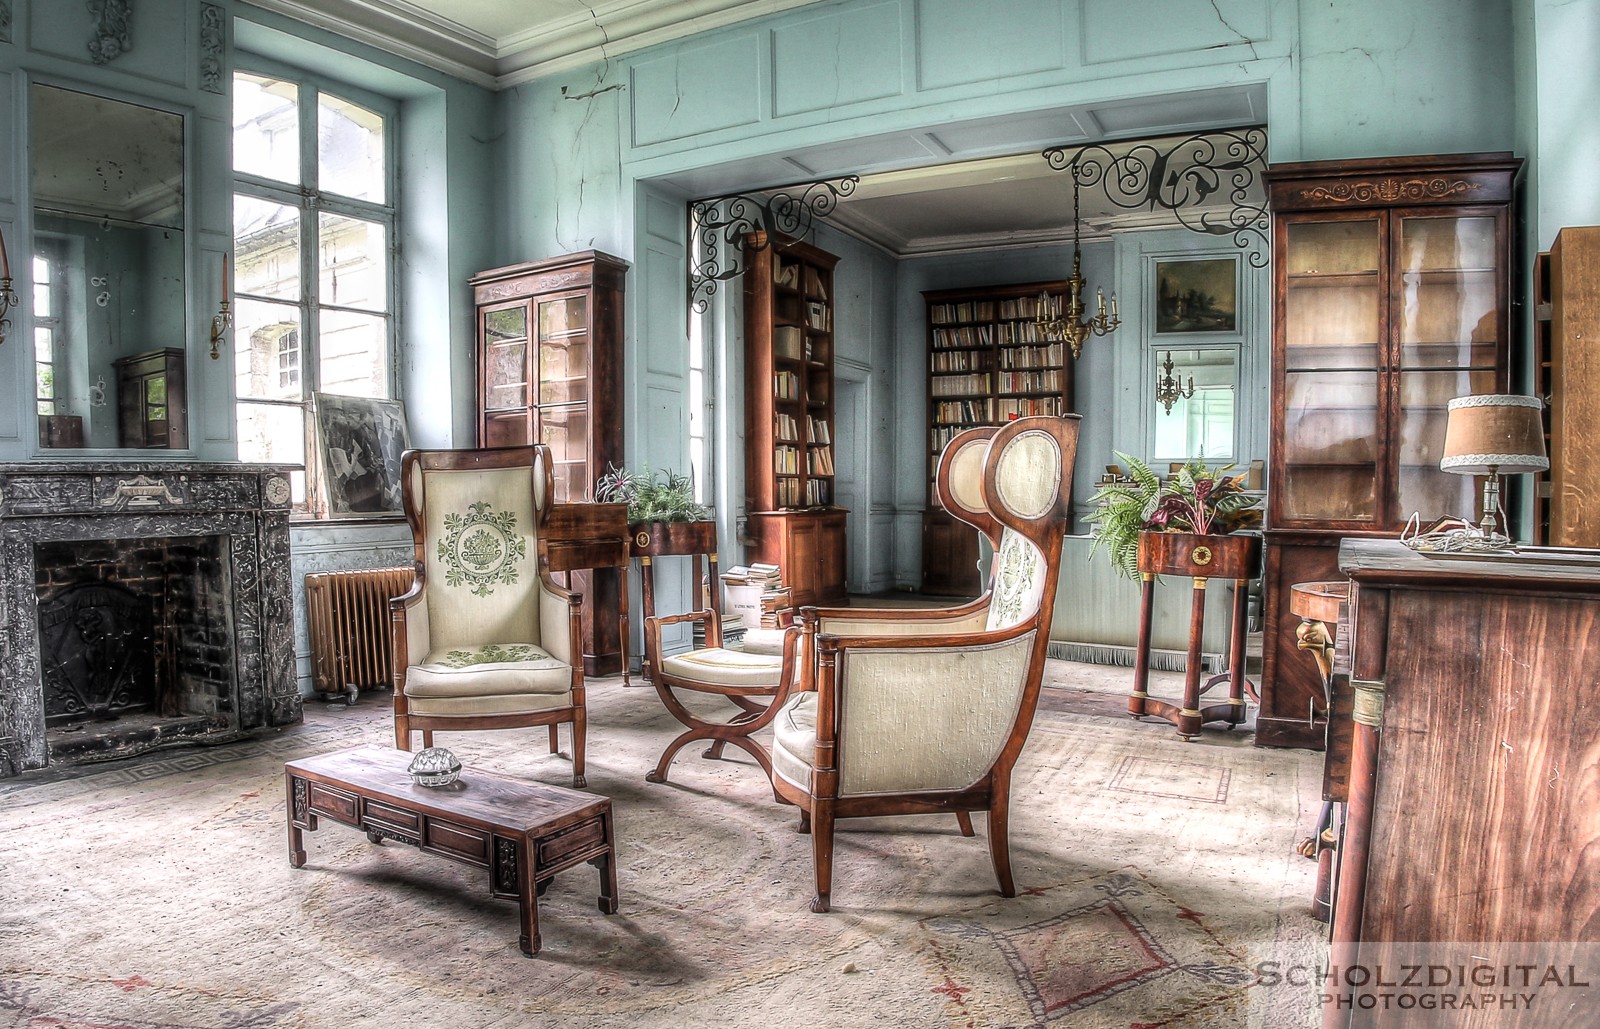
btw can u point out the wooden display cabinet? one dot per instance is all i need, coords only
(1390, 298)
(789, 446)
(152, 400)
(988, 363)
(549, 363)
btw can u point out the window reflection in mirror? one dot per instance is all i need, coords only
(107, 262)
(1201, 425)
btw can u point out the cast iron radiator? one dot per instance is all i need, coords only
(347, 621)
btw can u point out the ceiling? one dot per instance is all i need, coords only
(956, 186)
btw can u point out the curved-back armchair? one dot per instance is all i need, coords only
(927, 715)
(485, 639)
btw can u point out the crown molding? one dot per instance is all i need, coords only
(602, 32)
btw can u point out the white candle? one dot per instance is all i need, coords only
(5, 260)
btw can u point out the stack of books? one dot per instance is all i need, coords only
(776, 606)
(776, 609)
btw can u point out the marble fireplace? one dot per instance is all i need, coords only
(141, 605)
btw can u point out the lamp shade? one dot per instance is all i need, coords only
(1494, 432)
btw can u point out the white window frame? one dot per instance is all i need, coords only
(312, 203)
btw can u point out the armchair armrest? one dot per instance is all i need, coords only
(560, 622)
(652, 631)
(408, 631)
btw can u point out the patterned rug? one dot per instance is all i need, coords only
(1153, 875)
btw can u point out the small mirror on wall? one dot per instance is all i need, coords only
(1194, 404)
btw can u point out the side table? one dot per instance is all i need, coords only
(693, 540)
(1319, 605)
(590, 538)
(1234, 556)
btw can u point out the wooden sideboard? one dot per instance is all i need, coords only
(1474, 789)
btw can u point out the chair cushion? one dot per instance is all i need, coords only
(794, 739)
(722, 667)
(489, 670)
(763, 641)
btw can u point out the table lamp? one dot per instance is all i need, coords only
(1488, 435)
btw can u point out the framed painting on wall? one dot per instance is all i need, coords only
(1197, 296)
(360, 441)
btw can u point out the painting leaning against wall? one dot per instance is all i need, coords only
(360, 442)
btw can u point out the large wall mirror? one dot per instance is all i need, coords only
(109, 324)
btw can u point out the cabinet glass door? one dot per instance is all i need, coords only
(1333, 323)
(505, 376)
(1450, 328)
(565, 430)
(564, 351)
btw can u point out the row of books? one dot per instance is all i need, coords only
(1019, 407)
(814, 284)
(785, 385)
(957, 361)
(786, 460)
(819, 492)
(819, 315)
(776, 603)
(1030, 357)
(958, 411)
(817, 430)
(819, 461)
(786, 273)
(1021, 332)
(1029, 307)
(1030, 382)
(788, 341)
(967, 311)
(963, 336)
(784, 427)
(960, 385)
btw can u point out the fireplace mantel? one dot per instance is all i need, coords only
(244, 505)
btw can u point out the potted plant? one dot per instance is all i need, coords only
(1182, 526)
(662, 512)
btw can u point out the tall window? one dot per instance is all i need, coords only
(46, 328)
(313, 232)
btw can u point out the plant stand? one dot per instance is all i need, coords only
(674, 539)
(1201, 558)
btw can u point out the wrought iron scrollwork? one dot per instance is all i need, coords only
(1184, 178)
(719, 226)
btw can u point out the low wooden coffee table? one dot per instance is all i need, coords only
(523, 833)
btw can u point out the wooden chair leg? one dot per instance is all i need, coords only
(1000, 843)
(555, 738)
(822, 854)
(402, 732)
(580, 732)
(427, 738)
(964, 819)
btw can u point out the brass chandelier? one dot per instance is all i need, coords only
(1168, 389)
(1071, 325)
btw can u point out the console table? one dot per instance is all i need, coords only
(1234, 556)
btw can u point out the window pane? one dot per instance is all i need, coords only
(275, 434)
(266, 127)
(352, 263)
(41, 288)
(354, 352)
(261, 329)
(266, 248)
(350, 158)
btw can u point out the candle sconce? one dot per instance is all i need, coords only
(8, 300)
(1169, 390)
(221, 322)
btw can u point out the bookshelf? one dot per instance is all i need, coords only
(988, 363)
(789, 439)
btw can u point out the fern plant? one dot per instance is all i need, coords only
(651, 497)
(1194, 499)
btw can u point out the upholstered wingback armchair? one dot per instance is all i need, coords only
(485, 639)
(932, 722)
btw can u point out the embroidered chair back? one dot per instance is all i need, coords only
(476, 520)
